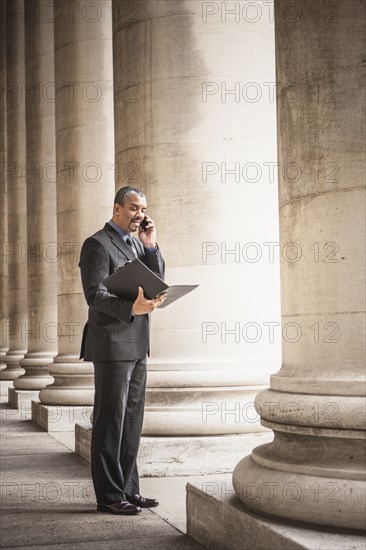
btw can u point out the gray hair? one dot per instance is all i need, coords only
(123, 193)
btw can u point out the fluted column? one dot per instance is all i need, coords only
(314, 470)
(41, 198)
(85, 182)
(189, 132)
(16, 189)
(4, 303)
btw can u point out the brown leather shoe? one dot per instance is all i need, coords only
(141, 502)
(123, 508)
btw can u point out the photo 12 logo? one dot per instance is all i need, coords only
(238, 12)
(269, 332)
(253, 252)
(256, 11)
(249, 92)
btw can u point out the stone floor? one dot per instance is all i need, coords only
(47, 499)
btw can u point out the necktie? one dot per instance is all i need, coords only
(131, 244)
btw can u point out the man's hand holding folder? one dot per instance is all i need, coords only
(142, 305)
(136, 282)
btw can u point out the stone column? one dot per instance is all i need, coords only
(4, 303)
(41, 201)
(195, 129)
(314, 471)
(85, 182)
(16, 191)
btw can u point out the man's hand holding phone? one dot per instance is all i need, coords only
(142, 305)
(147, 232)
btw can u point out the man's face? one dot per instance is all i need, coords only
(130, 215)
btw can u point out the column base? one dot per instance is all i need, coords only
(22, 399)
(308, 474)
(181, 456)
(57, 418)
(36, 376)
(73, 384)
(215, 519)
(13, 369)
(200, 411)
(3, 353)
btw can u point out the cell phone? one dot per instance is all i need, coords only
(144, 223)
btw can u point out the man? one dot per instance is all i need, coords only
(116, 340)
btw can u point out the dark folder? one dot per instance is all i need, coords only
(126, 280)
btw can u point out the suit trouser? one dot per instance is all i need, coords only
(117, 423)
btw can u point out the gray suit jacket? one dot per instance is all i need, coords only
(111, 333)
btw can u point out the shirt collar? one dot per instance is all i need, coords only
(119, 230)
